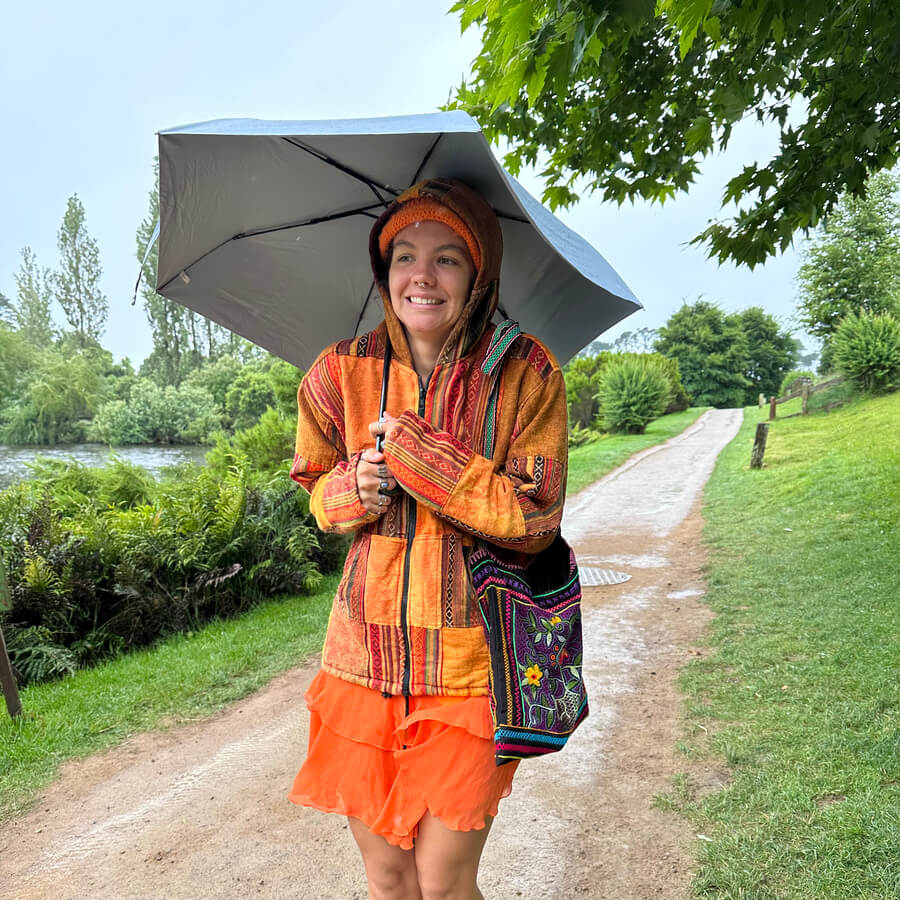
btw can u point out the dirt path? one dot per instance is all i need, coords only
(200, 811)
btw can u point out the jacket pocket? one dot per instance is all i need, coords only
(427, 581)
(384, 580)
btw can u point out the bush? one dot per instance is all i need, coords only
(102, 561)
(633, 392)
(788, 381)
(268, 445)
(867, 350)
(155, 415)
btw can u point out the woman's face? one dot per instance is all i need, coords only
(430, 278)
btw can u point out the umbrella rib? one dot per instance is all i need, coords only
(426, 158)
(324, 157)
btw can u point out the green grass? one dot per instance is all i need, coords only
(592, 461)
(800, 697)
(183, 678)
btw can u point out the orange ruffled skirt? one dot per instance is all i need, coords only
(369, 759)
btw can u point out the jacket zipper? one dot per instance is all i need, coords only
(410, 533)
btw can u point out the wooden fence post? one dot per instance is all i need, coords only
(771, 409)
(759, 445)
(804, 395)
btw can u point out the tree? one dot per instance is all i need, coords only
(7, 311)
(712, 353)
(853, 265)
(32, 307)
(632, 94)
(76, 284)
(771, 353)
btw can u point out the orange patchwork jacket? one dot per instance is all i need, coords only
(404, 618)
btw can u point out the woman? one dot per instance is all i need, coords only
(400, 729)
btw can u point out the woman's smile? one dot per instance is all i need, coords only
(430, 278)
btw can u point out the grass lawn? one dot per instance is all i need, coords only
(592, 461)
(182, 678)
(800, 697)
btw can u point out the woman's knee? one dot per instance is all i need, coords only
(443, 883)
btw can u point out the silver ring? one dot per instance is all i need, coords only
(383, 473)
(381, 499)
(382, 486)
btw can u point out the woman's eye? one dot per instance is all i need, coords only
(448, 260)
(402, 257)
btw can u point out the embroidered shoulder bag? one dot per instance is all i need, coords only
(531, 612)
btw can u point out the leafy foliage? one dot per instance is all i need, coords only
(76, 285)
(105, 560)
(31, 314)
(712, 353)
(633, 392)
(770, 353)
(853, 265)
(867, 350)
(789, 380)
(583, 377)
(632, 95)
(63, 393)
(154, 415)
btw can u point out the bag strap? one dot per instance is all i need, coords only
(503, 338)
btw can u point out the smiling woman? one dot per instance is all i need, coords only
(430, 278)
(401, 734)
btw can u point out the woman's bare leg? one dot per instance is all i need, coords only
(447, 861)
(390, 870)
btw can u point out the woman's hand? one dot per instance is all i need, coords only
(373, 481)
(383, 425)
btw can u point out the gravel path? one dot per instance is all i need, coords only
(199, 811)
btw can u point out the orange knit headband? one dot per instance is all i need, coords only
(420, 209)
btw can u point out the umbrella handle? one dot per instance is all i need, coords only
(385, 374)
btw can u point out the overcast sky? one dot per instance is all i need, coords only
(87, 86)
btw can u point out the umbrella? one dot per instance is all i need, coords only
(264, 229)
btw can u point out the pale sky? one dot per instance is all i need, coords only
(87, 86)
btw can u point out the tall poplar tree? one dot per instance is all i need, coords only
(76, 284)
(31, 311)
(853, 263)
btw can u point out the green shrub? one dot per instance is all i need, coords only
(867, 349)
(791, 377)
(102, 561)
(268, 445)
(155, 415)
(633, 392)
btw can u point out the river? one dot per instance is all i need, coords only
(14, 460)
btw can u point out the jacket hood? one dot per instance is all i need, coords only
(476, 315)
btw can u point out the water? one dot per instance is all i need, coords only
(13, 460)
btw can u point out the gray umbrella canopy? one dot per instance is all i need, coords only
(264, 229)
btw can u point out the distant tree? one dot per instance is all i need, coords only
(771, 353)
(712, 353)
(31, 313)
(630, 95)
(594, 348)
(55, 406)
(76, 284)
(853, 264)
(7, 311)
(640, 341)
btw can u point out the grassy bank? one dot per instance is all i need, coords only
(592, 461)
(799, 698)
(185, 677)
